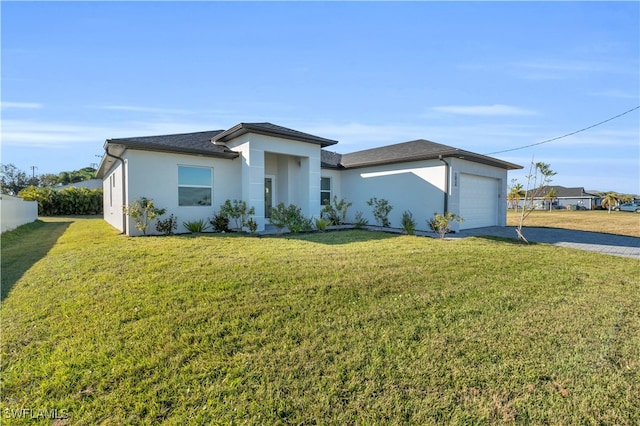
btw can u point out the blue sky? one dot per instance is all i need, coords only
(480, 76)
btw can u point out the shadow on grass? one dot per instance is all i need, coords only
(337, 237)
(23, 247)
(507, 240)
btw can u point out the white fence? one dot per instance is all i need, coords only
(15, 212)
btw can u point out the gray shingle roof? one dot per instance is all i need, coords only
(188, 143)
(269, 129)
(330, 160)
(420, 149)
(563, 192)
(211, 143)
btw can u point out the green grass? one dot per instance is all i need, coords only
(620, 223)
(348, 327)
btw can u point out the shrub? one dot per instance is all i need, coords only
(408, 224)
(142, 211)
(440, 223)
(381, 209)
(168, 225)
(238, 211)
(196, 226)
(252, 225)
(360, 220)
(290, 217)
(321, 224)
(336, 213)
(219, 223)
(69, 201)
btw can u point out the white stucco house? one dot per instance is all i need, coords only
(192, 174)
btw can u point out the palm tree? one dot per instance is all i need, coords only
(551, 195)
(627, 198)
(609, 200)
(515, 193)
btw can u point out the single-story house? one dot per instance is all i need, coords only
(192, 174)
(566, 198)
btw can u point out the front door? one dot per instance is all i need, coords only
(268, 196)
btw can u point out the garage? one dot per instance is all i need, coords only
(478, 201)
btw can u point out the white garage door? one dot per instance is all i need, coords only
(478, 201)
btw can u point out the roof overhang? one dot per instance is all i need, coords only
(271, 130)
(115, 149)
(456, 153)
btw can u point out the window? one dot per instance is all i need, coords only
(112, 184)
(194, 186)
(325, 191)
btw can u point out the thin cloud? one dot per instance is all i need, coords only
(36, 134)
(21, 105)
(620, 94)
(559, 69)
(484, 110)
(151, 110)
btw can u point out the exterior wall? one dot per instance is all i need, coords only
(154, 175)
(112, 197)
(418, 187)
(459, 166)
(15, 212)
(415, 186)
(296, 166)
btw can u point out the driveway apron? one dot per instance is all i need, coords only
(616, 245)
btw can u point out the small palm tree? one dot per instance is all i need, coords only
(516, 192)
(551, 195)
(609, 200)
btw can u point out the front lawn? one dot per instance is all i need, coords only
(620, 223)
(348, 327)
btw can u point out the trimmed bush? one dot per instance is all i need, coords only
(290, 217)
(219, 223)
(68, 201)
(168, 225)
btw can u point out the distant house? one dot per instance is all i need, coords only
(263, 164)
(568, 198)
(89, 184)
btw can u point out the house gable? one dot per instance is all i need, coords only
(268, 129)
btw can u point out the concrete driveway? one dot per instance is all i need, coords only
(616, 245)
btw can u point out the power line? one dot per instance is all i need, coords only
(568, 134)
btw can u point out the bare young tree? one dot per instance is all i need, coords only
(540, 175)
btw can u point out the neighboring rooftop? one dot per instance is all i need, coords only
(564, 192)
(89, 184)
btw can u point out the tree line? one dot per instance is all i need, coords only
(14, 180)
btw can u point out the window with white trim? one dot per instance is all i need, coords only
(195, 186)
(325, 191)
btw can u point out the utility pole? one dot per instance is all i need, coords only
(33, 171)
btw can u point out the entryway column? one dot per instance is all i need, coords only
(253, 182)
